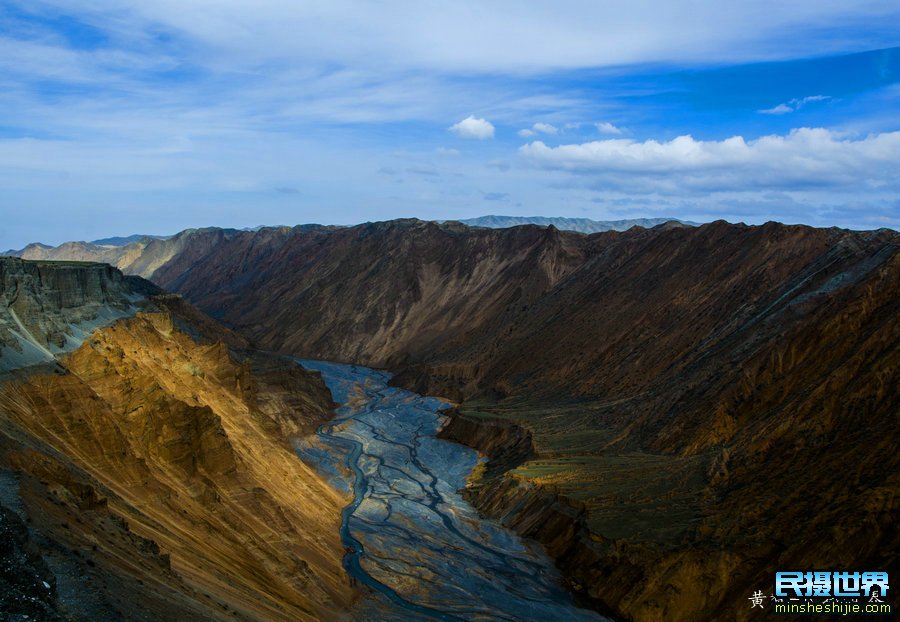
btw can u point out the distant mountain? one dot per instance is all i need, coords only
(34, 247)
(122, 241)
(141, 256)
(582, 225)
(91, 251)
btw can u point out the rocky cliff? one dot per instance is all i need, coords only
(504, 444)
(49, 308)
(154, 464)
(379, 293)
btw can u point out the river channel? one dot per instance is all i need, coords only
(420, 548)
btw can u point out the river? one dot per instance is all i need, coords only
(420, 548)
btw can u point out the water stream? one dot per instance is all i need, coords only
(410, 537)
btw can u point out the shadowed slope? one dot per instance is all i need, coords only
(376, 293)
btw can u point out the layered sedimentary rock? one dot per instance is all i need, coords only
(47, 309)
(155, 469)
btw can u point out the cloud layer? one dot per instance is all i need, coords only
(803, 159)
(502, 35)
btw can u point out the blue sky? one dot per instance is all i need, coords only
(116, 119)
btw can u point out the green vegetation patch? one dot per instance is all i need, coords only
(629, 494)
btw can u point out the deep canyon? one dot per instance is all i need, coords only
(671, 413)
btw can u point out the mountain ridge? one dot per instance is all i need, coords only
(111, 250)
(581, 225)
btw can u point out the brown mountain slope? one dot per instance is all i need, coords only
(375, 293)
(466, 311)
(716, 396)
(155, 471)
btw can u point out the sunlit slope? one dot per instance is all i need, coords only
(155, 463)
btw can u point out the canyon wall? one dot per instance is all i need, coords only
(50, 308)
(153, 465)
(506, 445)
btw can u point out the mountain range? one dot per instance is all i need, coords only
(118, 250)
(581, 225)
(675, 412)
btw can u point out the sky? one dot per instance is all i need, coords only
(121, 117)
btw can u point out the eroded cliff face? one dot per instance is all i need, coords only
(155, 468)
(50, 308)
(376, 294)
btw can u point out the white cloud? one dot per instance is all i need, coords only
(794, 105)
(447, 152)
(804, 159)
(608, 128)
(472, 127)
(538, 128)
(545, 128)
(779, 109)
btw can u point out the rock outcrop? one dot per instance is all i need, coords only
(47, 309)
(504, 444)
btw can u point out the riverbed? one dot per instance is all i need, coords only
(422, 551)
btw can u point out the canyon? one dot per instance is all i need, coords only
(154, 466)
(673, 412)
